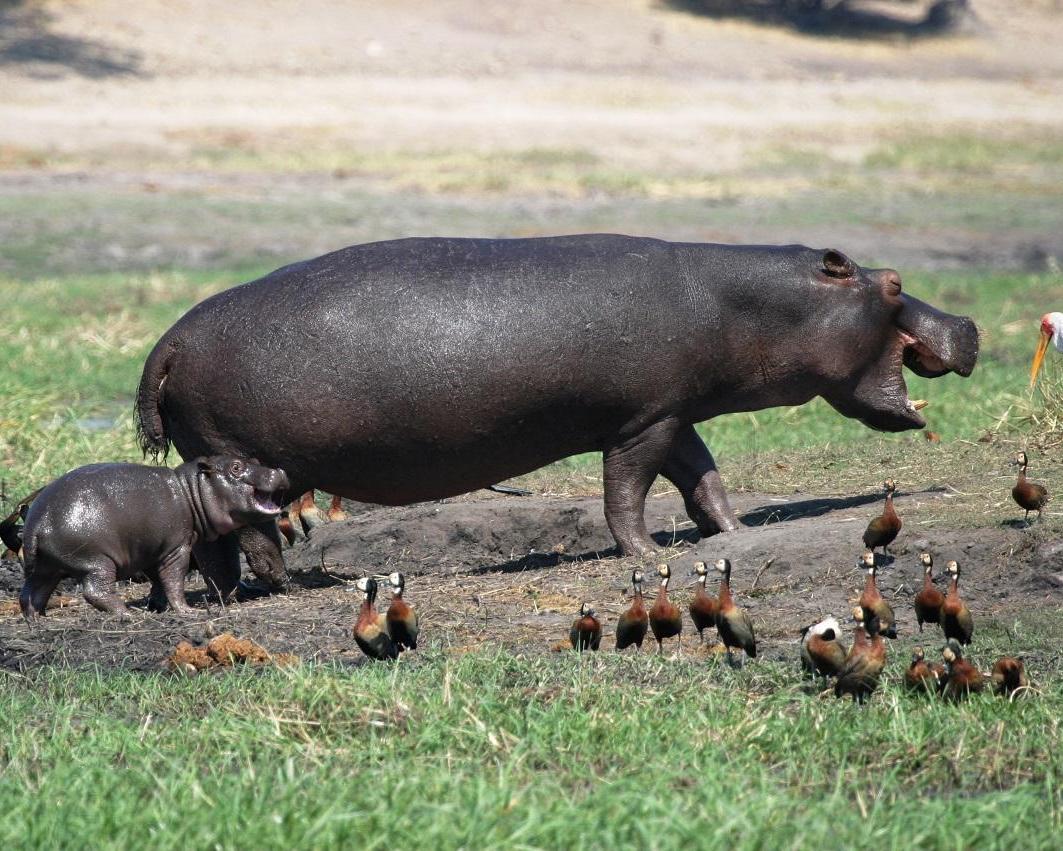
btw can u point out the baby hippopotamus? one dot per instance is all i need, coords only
(106, 522)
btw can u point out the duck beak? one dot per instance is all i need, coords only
(1038, 358)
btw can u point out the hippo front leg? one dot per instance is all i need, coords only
(172, 574)
(262, 548)
(629, 468)
(691, 468)
(219, 563)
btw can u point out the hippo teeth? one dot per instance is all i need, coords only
(917, 404)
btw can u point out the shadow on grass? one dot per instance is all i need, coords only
(849, 18)
(26, 39)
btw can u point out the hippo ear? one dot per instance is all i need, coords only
(205, 466)
(837, 265)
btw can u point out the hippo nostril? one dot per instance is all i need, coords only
(891, 282)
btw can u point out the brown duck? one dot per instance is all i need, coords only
(371, 629)
(401, 619)
(822, 651)
(704, 608)
(920, 677)
(633, 623)
(1029, 495)
(860, 674)
(1009, 676)
(586, 631)
(962, 677)
(734, 624)
(872, 600)
(665, 618)
(335, 510)
(883, 529)
(956, 620)
(929, 600)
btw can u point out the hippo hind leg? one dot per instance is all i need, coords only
(36, 591)
(98, 587)
(692, 469)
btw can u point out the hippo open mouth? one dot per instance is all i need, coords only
(928, 342)
(268, 502)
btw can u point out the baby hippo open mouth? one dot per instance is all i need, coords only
(247, 490)
(268, 502)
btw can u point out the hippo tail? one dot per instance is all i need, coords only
(151, 431)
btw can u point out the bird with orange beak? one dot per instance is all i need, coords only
(1051, 332)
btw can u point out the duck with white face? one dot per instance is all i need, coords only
(371, 629)
(401, 618)
(586, 631)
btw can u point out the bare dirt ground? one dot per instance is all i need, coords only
(119, 123)
(504, 571)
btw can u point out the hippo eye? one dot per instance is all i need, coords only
(236, 468)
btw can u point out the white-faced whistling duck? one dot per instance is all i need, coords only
(371, 629)
(665, 618)
(962, 677)
(1051, 332)
(734, 624)
(704, 608)
(883, 529)
(1030, 496)
(586, 631)
(335, 510)
(920, 677)
(860, 675)
(401, 618)
(633, 623)
(1009, 676)
(822, 651)
(872, 600)
(929, 600)
(956, 620)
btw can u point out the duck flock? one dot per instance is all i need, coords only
(855, 671)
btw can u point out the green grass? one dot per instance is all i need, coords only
(73, 347)
(495, 750)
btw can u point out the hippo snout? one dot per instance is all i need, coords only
(278, 481)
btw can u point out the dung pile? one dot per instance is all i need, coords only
(224, 651)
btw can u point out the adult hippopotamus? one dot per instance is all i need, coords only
(105, 522)
(417, 369)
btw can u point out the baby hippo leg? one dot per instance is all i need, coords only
(172, 574)
(38, 587)
(98, 586)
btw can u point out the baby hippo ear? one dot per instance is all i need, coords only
(205, 466)
(837, 265)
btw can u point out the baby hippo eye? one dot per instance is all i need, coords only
(236, 468)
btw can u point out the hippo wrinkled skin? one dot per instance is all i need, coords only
(106, 522)
(418, 369)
